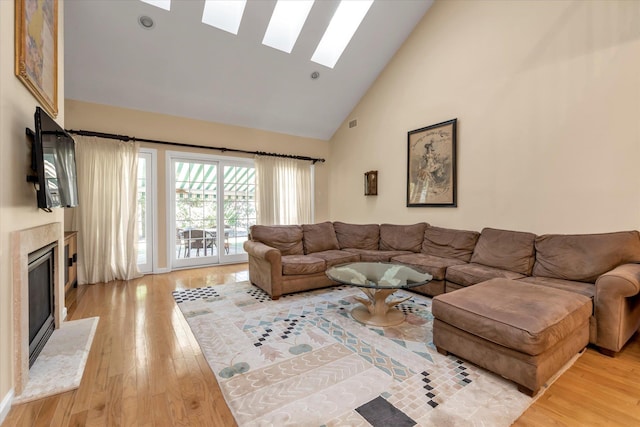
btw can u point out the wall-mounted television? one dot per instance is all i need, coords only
(53, 159)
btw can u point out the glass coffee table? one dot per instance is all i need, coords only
(378, 280)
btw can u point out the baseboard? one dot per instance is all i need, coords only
(5, 406)
(64, 313)
(162, 270)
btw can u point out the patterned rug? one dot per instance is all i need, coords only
(303, 361)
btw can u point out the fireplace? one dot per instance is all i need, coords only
(26, 247)
(41, 280)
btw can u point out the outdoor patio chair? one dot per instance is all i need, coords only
(199, 239)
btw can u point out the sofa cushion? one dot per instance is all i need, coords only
(449, 243)
(286, 238)
(335, 257)
(434, 265)
(508, 250)
(470, 274)
(582, 288)
(584, 257)
(494, 311)
(302, 264)
(376, 256)
(402, 237)
(319, 237)
(357, 236)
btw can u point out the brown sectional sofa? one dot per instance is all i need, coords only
(604, 267)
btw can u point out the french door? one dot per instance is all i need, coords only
(211, 207)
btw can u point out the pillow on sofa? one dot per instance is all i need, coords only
(286, 238)
(449, 243)
(584, 257)
(402, 237)
(505, 249)
(357, 236)
(319, 237)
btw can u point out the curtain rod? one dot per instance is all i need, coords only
(177, 144)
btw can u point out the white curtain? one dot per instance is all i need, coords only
(106, 214)
(283, 191)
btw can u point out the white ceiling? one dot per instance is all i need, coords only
(185, 68)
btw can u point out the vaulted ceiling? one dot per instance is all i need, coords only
(185, 68)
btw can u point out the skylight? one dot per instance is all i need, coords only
(286, 23)
(341, 29)
(224, 14)
(162, 4)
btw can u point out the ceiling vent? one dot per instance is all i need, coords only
(353, 123)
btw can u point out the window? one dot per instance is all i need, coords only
(145, 209)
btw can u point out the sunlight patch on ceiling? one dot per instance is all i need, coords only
(286, 22)
(162, 4)
(224, 14)
(341, 29)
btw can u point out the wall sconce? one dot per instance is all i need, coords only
(371, 183)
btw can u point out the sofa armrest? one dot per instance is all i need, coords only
(617, 306)
(623, 281)
(262, 251)
(265, 267)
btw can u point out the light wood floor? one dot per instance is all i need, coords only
(146, 369)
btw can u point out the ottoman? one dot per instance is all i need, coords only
(521, 331)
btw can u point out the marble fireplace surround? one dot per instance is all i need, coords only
(23, 242)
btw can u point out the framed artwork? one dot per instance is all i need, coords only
(371, 183)
(36, 50)
(431, 165)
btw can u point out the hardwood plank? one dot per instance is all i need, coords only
(62, 416)
(114, 401)
(161, 414)
(143, 390)
(78, 419)
(596, 390)
(222, 413)
(622, 414)
(129, 382)
(14, 415)
(48, 409)
(29, 415)
(615, 388)
(97, 412)
(538, 416)
(82, 400)
(129, 414)
(146, 369)
(177, 408)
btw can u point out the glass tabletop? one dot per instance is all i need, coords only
(380, 275)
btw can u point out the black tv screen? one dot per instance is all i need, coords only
(55, 163)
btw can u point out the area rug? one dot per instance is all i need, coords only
(60, 365)
(303, 361)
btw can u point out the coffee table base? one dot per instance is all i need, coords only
(390, 318)
(376, 310)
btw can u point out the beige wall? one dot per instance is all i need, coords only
(102, 118)
(18, 206)
(547, 96)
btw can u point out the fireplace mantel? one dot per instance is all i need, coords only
(23, 242)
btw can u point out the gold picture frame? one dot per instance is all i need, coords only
(36, 50)
(431, 166)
